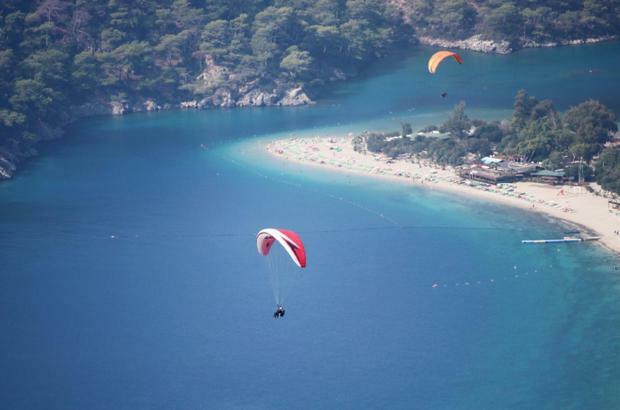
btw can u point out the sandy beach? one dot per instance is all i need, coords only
(570, 203)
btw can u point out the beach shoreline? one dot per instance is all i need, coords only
(573, 205)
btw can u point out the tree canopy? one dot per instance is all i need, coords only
(518, 21)
(55, 54)
(578, 141)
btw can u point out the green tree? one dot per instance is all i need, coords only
(356, 37)
(452, 19)
(296, 62)
(458, 123)
(608, 170)
(536, 141)
(215, 39)
(490, 132)
(522, 112)
(536, 23)
(127, 64)
(7, 62)
(272, 29)
(33, 97)
(555, 160)
(49, 66)
(502, 21)
(591, 121)
(86, 73)
(543, 110)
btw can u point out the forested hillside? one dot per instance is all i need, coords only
(521, 23)
(60, 58)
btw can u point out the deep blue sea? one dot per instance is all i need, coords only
(130, 279)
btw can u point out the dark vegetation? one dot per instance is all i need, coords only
(56, 54)
(608, 170)
(580, 141)
(516, 21)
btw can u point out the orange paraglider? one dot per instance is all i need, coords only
(439, 56)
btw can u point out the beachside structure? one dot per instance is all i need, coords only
(549, 177)
(494, 170)
(522, 169)
(566, 239)
(487, 174)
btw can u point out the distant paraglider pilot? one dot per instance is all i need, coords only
(279, 312)
(444, 94)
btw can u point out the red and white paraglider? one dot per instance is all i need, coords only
(280, 268)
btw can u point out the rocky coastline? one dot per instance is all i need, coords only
(248, 95)
(479, 44)
(474, 43)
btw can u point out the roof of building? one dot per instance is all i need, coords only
(491, 160)
(546, 173)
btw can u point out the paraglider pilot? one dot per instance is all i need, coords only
(279, 312)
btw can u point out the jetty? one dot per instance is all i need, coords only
(566, 239)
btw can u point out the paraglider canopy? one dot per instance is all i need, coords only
(290, 241)
(439, 56)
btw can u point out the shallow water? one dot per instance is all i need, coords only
(130, 278)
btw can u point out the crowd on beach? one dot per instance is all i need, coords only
(573, 203)
(423, 172)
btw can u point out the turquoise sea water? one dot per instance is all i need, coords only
(130, 278)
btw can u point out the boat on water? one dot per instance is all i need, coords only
(566, 239)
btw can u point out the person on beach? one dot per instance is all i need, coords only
(279, 312)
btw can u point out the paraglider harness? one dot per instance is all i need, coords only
(279, 312)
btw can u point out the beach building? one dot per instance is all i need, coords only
(549, 177)
(521, 169)
(495, 170)
(508, 171)
(487, 174)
